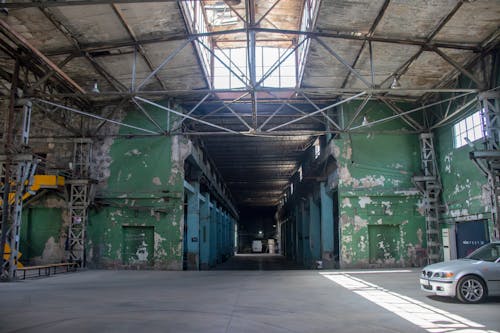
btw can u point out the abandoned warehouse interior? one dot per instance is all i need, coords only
(170, 135)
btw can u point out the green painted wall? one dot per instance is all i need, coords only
(375, 189)
(465, 190)
(144, 189)
(43, 232)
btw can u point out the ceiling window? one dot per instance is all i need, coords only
(307, 24)
(198, 24)
(466, 129)
(219, 15)
(226, 62)
(275, 67)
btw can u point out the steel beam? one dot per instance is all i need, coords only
(461, 69)
(455, 113)
(22, 42)
(343, 62)
(164, 62)
(184, 115)
(83, 113)
(143, 110)
(317, 111)
(223, 63)
(375, 23)
(406, 118)
(139, 48)
(426, 43)
(93, 47)
(407, 112)
(73, 40)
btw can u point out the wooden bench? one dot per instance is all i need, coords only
(47, 270)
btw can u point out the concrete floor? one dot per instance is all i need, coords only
(236, 301)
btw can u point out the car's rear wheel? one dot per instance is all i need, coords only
(471, 289)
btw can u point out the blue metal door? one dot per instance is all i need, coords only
(470, 236)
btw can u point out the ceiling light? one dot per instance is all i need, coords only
(95, 88)
(365, 121)
(395, 83)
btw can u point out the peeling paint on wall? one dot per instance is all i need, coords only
(156, 181)
(346, 202)
(363, 201)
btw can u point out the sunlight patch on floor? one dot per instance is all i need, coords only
(430, 318)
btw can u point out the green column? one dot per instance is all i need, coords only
(299, 237)
(205, 232)
(305, 234)
(193, 228)
(314, 230)
(326, 227)
(213, 235)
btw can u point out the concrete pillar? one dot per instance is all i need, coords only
(193, 228)
(205, 232)
(327, 225)
(314, 230)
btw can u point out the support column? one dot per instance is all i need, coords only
(314, 230)
(430, 186)
(79, 200)
(193, 228)
(205, 232)
(490, 106)
(17, 168)
(327, 226)
(219, 235)
(305, 235)
(299, 239)
(213, 235)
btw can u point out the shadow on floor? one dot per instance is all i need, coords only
(258, 262)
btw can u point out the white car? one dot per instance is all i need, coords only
(470, 279)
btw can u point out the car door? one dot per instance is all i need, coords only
(491, 272)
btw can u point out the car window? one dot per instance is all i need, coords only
(489, 252)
